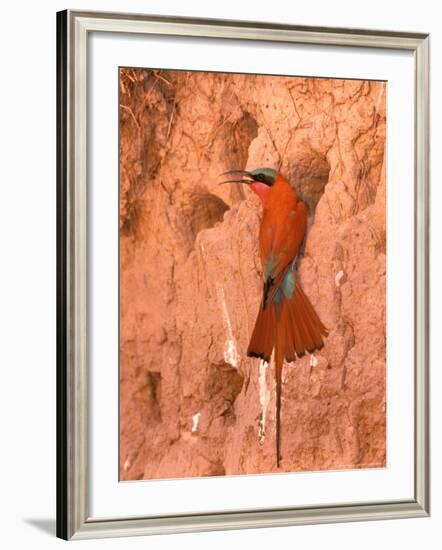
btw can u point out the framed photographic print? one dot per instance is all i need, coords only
(242, 275)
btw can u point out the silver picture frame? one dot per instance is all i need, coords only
(73, 518)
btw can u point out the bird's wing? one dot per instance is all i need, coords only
(281, 236)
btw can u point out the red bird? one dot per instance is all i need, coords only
(286, 319)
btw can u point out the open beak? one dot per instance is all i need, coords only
(238, 176)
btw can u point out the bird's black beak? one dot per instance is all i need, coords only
(238, 176)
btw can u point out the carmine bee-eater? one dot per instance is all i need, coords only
(286, 319)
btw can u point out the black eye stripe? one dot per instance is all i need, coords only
(263, 177)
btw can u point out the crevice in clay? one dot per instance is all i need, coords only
(204, 211)
(309, 176)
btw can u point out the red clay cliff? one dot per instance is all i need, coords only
(192, 403)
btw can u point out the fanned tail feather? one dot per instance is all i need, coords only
(300, 328)
(263, 336)
(292, 327)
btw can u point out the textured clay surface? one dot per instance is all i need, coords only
(192, 403)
